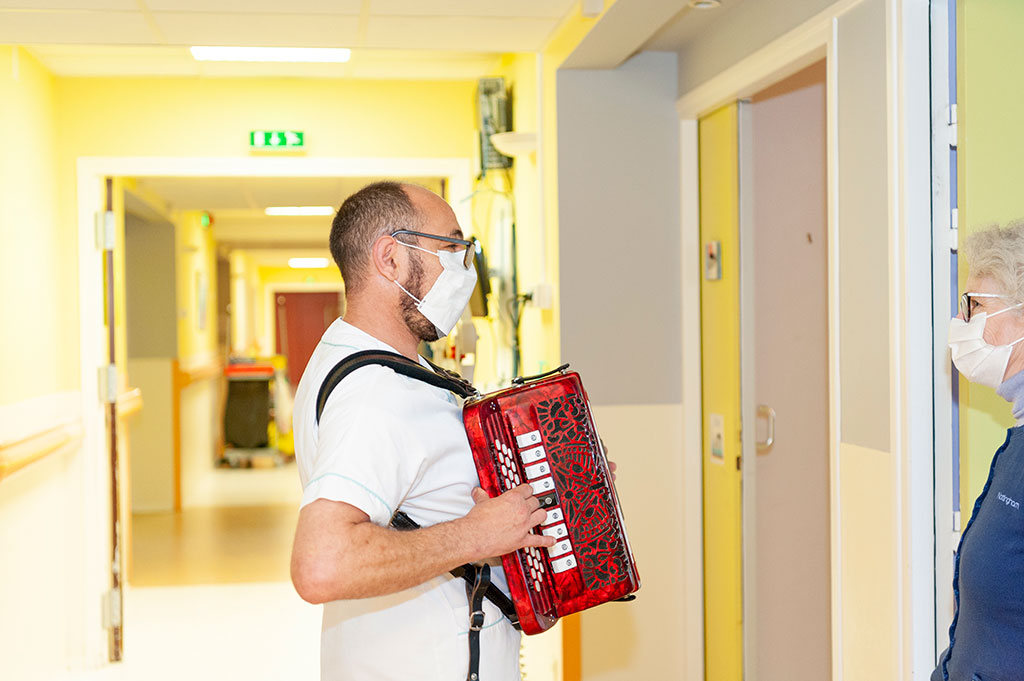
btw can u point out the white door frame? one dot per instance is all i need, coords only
(95, 574)
(910, 315)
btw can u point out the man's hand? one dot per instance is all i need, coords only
(502, 524)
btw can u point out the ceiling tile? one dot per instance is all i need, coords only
(422, 64)
(552, 9)
(256, 6)
(116, 60)
(127, 5)
(82, 27)
(186, 193)
(265, 30)
(458, 33)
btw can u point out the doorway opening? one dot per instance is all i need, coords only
(195, 532)
(765, 338)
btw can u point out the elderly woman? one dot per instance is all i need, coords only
(986, 639)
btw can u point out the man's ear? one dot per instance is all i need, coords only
(385, 258)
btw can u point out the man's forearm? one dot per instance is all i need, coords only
(340, 554)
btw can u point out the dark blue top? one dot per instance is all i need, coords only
(986, 639)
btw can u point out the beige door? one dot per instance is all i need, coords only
(788, 621)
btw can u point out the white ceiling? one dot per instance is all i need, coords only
(686, 25)
(390, 38)
(237, 206)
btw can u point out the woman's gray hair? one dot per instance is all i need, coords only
(998, 253)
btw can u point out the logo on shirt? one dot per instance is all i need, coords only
(1008, 501)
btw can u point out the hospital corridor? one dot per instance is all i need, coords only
(740, 279)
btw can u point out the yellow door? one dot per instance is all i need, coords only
(720, 362)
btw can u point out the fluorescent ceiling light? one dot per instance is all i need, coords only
(307, 263)
(299, 210)
(288, 54)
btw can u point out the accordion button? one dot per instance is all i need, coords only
(554, 516)
(532, 455)
(558, 531)
(564, 563)
(528, 439)
(547, 501)
(560, 548)
(537, 470)
(542, 485)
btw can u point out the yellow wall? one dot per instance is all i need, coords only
(197, 289)
(213, 117)
(562, 43)
(720, 342)
(287, 275)
(42, 533)
(38, 276)
(990, 149)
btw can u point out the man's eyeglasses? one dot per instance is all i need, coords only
(470, 247)
(966, 305)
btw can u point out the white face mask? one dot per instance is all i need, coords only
(973, 356)
(448, 297)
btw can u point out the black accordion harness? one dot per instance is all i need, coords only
(477, 577)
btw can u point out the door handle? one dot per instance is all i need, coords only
(766, 412)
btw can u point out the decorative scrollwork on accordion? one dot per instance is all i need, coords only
(584, 490)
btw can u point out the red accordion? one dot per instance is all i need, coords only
(542, 433)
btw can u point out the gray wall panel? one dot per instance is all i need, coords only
(863, 228)
(150, 277)
(619, 229)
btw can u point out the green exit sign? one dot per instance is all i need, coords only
(277, 139)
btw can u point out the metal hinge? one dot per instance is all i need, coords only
(954, 229)
(108, 383)
(951, 125)
(105, 232)
(112, 608)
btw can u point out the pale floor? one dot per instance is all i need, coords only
(209, 599)
(219, 545)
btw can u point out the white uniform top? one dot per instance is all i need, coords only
(387, 441)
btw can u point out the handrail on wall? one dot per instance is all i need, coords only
(16, 455)
(186, 377)
(129, 402)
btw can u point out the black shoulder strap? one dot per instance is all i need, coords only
(468, 572)
(441, 378)
(400, 364)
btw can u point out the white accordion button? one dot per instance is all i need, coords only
(554, 516)
(563, 564)
(558, 531)
(542, 485)
(528, 439)
(537, 470)
(532, 455)
(560, 548)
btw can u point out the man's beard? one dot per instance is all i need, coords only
(420, 326)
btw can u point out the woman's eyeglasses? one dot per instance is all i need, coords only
(966, 306)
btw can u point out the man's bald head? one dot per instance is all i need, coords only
(375, 210)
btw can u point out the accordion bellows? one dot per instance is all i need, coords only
(543, 433)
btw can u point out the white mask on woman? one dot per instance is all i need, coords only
(447, 298)
(973, 356)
